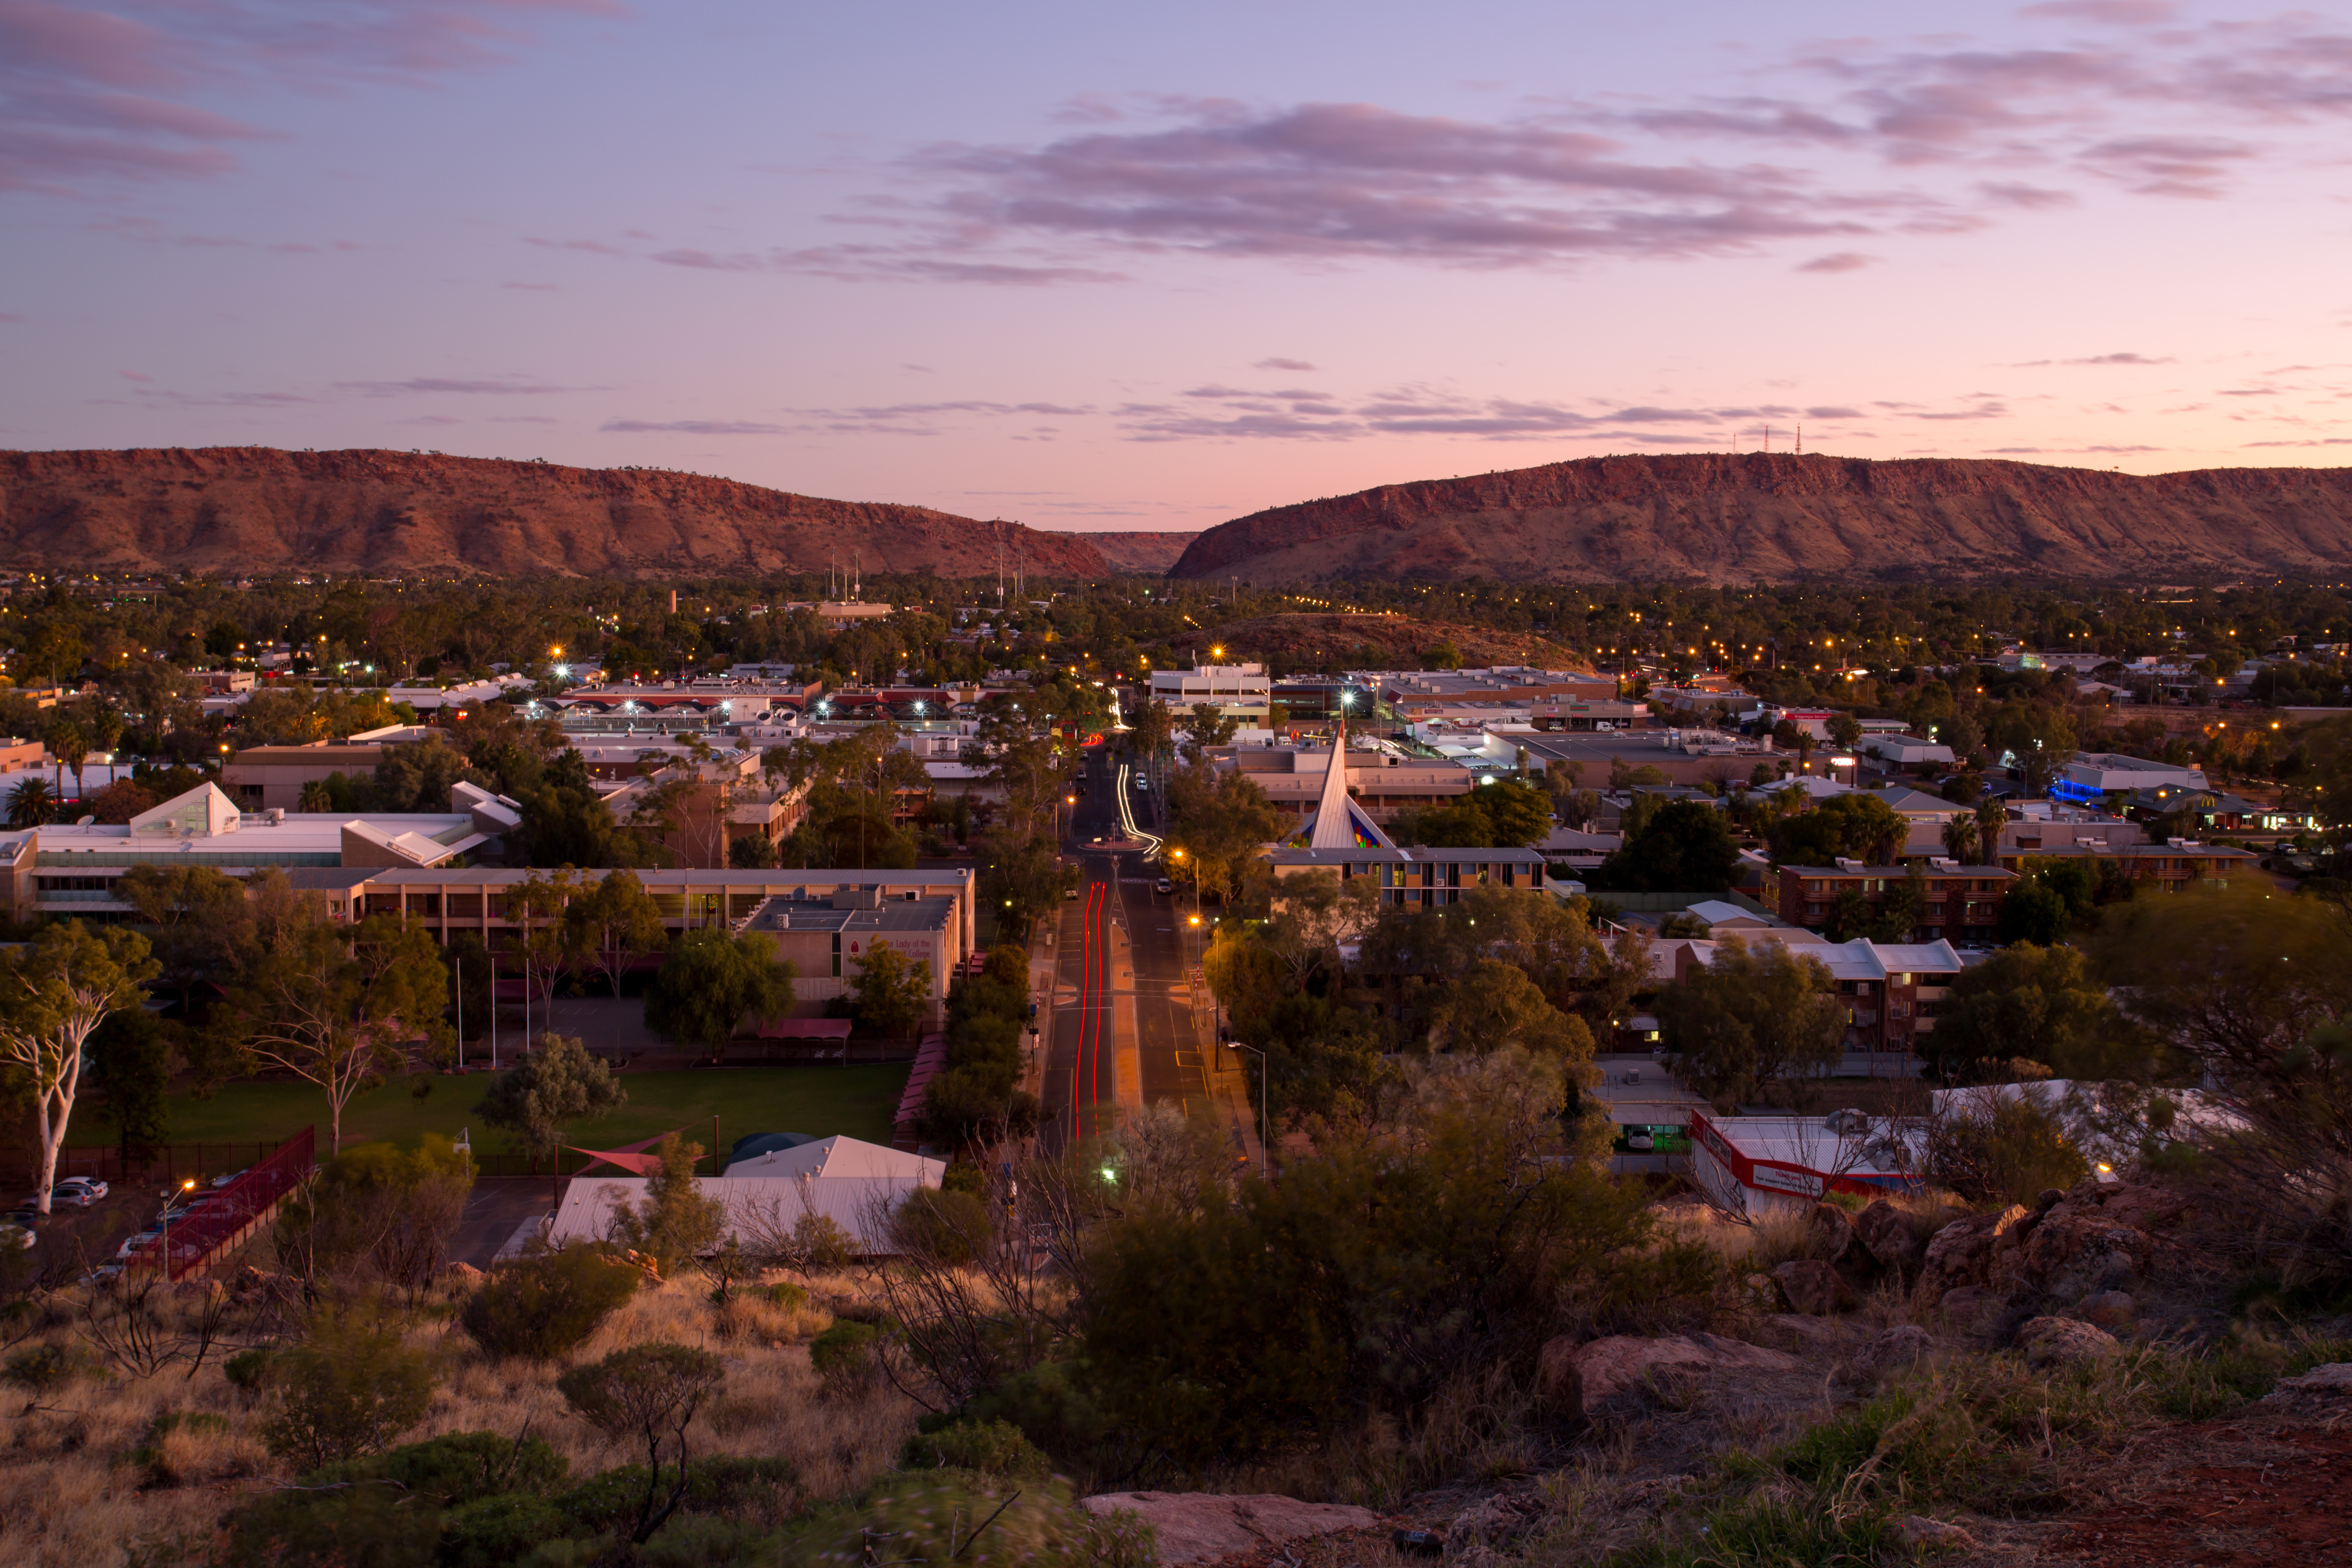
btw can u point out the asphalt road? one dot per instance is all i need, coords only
(1116, 917)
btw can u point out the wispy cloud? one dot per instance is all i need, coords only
(1866, 140)
(489, 386)
(691, 427)
(121, 90)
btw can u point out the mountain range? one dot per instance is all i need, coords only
(257, 510)
(1752, 517)
(1778, 518)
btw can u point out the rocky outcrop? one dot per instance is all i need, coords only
(1609, 1367)
(1780, 517)
(1884, 1230)
(2057, 1342)
(2331, 1381)
(254, 510)
(1894, 1348)
(1812, 1286)
(1204, 1527)
(1963, 1252)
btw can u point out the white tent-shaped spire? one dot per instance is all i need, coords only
(1340, 822)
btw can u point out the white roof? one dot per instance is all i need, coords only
(1860, 959)
(1717, 913)
(852, 1183)
(840, 1156)
(1809, 1144)
(1818, 788)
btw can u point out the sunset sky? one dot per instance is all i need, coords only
(1122, 267)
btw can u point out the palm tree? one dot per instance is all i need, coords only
(1961, 838)
(29, 803)
(1992, 817)
(315, 798)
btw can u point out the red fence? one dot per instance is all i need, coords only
(233, 1210)
(169, 1163)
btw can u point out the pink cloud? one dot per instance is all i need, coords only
(91, 95)
(1838, 261)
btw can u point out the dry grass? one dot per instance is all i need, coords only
(71, 1493)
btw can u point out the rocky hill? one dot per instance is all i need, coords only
(1778, 517)
(255, 509)
(1146, 554)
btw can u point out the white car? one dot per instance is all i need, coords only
(16, 1236)
(81, 1191)
(138, 1243)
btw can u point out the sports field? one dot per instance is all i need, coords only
(858, 1100)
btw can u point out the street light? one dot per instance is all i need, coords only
(164, 1245)
(1265, 1151)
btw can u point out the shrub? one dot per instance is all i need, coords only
(387, 1511)
(2007, 1152)
(709, 1543)
(844, 1355)
(248, 1370)
(547, 1304)
(991, 1448)
(648, 1392)
(941, 1226)
(820, 1241)
(786, 1294)
(931, 1516)
(462, 1466)
(493, 1531)
(761, 1490)
(347, 1391)
(39, 1369)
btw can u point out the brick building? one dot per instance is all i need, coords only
(1959, 903)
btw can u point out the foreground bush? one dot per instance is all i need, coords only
(1372, 1277)
(477, 1499)
(546, 1305)
(387, 1511)
(346, 1390)
(943, 1516)
(991, 1448)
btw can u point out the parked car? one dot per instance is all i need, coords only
(79, 1191)
(24, 1215)
(1163, 886)
(139, 1243)
(16, 1237)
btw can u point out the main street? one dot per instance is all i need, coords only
(1123, 1029)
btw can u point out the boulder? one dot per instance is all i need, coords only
(2330, 1381)
(1481, 1533)
(2058, 1342)
(1920, 1533)
(1805, 1333)
(2111, 1309)
(1893, 1349)
(1962, 1253)
(1813, 1287)
(1971, 1307)
(1203, 1527)
(1834, 1240)
(1609, 1367)
(1883, 1230)
(464, 1274)
(2075, 1251)
(1560, 1389)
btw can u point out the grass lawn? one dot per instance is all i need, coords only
(858, 1100)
